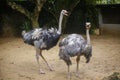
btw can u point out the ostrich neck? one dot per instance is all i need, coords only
(60, 23)
(88, 36)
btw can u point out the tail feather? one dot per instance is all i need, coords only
(23, 32)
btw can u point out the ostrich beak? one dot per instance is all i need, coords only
(66, 13)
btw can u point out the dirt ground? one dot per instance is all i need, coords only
(17, 61)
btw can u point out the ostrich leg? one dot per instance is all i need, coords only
(69, 75)
(77, 69)
(37, 58)
(45, 61)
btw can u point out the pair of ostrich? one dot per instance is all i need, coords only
(70, 46)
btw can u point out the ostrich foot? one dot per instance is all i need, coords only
(51, 69)
(77, 75)
(41, 71)
(69, 76)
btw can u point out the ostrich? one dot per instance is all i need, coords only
(75, 45)
(43, 39)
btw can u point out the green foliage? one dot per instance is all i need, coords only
(93, 16)
(26, 26)
(85, 11)
(16, 0)
(11, 23)
(53, 8)
(108, 1)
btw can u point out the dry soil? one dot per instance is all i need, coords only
(17, 61)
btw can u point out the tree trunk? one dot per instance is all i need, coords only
(35, 14)
(35, 23)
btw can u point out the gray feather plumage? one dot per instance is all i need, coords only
(73, 45)
(41, 38)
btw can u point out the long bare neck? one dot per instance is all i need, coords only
(60, 23)
(88, 36)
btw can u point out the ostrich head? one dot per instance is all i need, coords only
(88, 25)
(64, 12)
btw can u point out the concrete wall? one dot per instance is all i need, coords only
(109, 22)
(110, 29)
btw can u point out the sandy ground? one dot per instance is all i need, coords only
(17, 61)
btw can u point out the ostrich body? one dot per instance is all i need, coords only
(43, 39)
(75, 45)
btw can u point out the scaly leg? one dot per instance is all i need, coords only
(37, 58)
(45, 61)
(77, 69)
(69, 75)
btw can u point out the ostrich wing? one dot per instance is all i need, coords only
(45, 38)
(73, 44)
